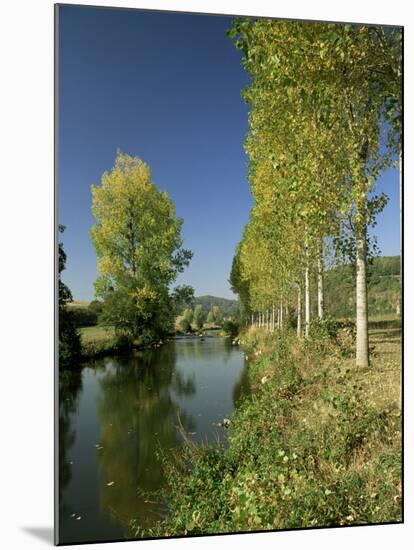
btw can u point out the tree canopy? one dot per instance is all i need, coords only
(324, 122)
(138, 242)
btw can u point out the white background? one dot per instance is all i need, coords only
(26, 272)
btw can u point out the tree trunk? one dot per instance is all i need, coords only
(299, 327)
(273, 317)
(362, 342)
(320, 282)
(281, 313)
(307, 296)
(400, 305)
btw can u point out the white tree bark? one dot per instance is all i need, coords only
(320, 282)
(362, 341)
(281, 313)
(307, 296)
(299, 327)
(273, 317)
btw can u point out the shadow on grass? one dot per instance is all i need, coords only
(385, 324)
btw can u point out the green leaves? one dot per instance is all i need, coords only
(138, 243)
(319, 94)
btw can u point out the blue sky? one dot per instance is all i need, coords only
(164, 87)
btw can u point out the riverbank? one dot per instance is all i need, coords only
(99, 341)
(317, 444)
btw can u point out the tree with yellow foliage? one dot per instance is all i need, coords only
(137, 238)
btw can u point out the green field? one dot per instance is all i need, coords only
(96, 334)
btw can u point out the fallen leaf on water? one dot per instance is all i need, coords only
(78, 518)
(73, 515)
(110, 483)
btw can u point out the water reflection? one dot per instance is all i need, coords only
(70, 385)
(118, 413)
(138, 416)
(242, 387)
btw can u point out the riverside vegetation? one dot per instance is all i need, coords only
(383, 296)
(317, 443)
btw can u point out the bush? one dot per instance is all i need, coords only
(327, 327)
(69, 340)
(185, 325)
(331, 336)
(124, 342)
(231, 328)
(83, 316)
(147, 336)
(96, 306)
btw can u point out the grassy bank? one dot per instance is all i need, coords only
(317, 444)
(98, 341)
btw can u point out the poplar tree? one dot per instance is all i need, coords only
(323, 97)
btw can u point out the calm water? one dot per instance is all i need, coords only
(114, 415)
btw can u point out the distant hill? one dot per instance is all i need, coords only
(384, 288)
(227, 307)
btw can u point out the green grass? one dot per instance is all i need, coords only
(96, 334)
(78, 304)
(97, 341)
(317, 444)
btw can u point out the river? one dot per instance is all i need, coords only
(116, 413)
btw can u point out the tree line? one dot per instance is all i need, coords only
(324, 123)
(197, 318)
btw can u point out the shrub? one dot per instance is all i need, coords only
(185, 325)
(83, 316)
(124, 342)
(69, 340)
(231, 328)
